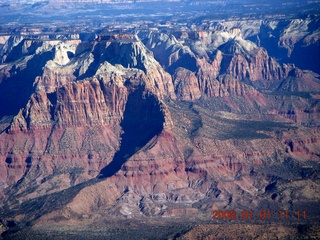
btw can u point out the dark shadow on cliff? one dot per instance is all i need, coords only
(142, 120)
(185, 61)
(16, 90)
(93, 67)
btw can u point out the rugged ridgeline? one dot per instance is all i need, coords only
(155, 124)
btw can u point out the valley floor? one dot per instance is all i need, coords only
(134, 230)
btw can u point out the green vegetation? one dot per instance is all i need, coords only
(197, 121)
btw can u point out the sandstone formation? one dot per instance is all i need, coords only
(152, 125)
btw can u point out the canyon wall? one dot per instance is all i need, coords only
(153, 125)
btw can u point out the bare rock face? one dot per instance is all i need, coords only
(133, 54)
(156, 126)
(64, 118)
(186, 85)
(169, 51)
(210, 56)
(295, 41)
(243, 60)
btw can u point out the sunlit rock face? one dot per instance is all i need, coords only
(154, 124)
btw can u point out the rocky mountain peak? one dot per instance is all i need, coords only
(238, 45)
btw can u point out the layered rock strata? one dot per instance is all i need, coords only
(153, 127)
